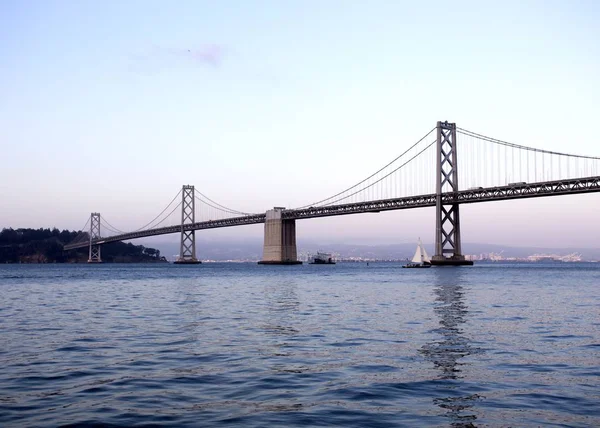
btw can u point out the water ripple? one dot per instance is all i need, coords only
(251, 346)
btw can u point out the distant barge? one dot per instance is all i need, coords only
(321, 259)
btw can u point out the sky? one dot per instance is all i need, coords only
(112, 106)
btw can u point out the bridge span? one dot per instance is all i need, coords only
(480, 194)
(424, 175)
(499, 193)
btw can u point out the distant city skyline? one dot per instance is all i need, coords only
(111, 107)
(250, 249)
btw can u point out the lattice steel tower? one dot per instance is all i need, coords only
(94, 254)
(447, 231)
(187, 248)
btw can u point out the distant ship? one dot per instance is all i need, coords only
(420, 259)
(542, 258)
(321, 259)
(573, 257)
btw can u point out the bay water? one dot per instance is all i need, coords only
(350, 345)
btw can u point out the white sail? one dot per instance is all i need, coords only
(424, 256)
(420, 254)
(417, 257)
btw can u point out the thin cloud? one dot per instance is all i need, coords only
(158, 58)
(211, 55)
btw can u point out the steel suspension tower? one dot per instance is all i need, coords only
(94, 254)
(447, 232)
(187, 248)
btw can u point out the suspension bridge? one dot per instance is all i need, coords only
(425, 175)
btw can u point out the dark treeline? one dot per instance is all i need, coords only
(46, 246)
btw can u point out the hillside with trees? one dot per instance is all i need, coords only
(46, 246)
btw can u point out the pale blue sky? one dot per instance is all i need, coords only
(112, 106)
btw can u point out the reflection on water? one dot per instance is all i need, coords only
(281, 305)
(447, 352)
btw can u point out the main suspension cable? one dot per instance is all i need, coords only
(369, 177)
(82, 232)
(110, 226)
(518, 146)
(167, 216)
(231, 211)
(161, 213)
(385, 176)
(219, 207)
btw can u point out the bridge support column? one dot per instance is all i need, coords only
(447, 233)
(187, 247)
(95, 253)
(280, 240)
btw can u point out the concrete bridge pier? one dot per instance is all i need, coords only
(280, 240)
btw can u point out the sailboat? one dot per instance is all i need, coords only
(420, 259)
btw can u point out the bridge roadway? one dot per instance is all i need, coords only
(480, 194)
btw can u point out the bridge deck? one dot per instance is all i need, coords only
(514, 191)
(212, 224)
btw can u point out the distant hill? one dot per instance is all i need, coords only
(46, 246)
